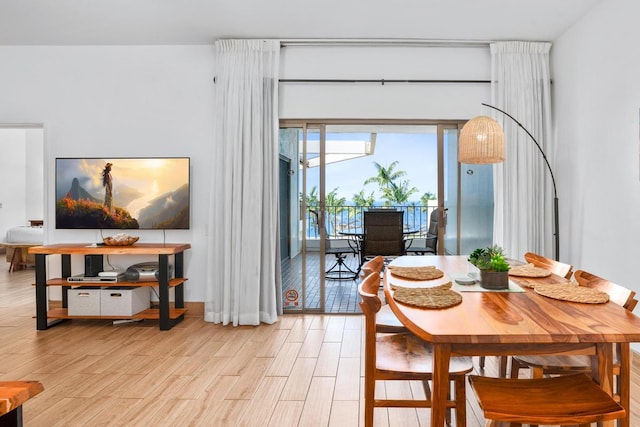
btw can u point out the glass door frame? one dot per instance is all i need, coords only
(320, 125)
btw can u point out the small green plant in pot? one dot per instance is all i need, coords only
(494, 269)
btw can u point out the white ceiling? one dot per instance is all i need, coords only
(124, 22)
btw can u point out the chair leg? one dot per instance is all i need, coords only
(339, 270)
(503, 361)
(537, 372)
(461, 400)
(481, 362)
(369, 396)
(515, 368)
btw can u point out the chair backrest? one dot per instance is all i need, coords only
(432, 234)
(617, 294)
(556, 267)
(383, 233)
(370, 304)
(374, 265)
(433, 223)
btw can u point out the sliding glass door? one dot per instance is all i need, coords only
(342, 168)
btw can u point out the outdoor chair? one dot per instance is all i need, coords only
(383, 235)
(428, 245)
(402, 357)
(340, 249)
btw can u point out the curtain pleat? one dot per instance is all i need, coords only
(520, 85)
(243, 268)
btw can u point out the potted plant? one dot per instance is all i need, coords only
(494, 269)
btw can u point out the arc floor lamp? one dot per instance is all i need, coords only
(482, 142)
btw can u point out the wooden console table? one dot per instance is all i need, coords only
(166, 315)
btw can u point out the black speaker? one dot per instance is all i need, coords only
(92, 265)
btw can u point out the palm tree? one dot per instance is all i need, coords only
(399, 193)
(388, 179)
(359, 199)
(424, 200)
(334, 205)
(386, 176)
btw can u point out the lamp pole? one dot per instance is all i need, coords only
(553, 180)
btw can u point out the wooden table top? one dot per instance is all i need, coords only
(508, 317)
(15, 393)
(89, 249)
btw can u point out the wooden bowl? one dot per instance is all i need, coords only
(110, 241)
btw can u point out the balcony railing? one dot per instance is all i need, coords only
(350, 219)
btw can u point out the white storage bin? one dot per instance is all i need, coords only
(84, 301)
(123, 301)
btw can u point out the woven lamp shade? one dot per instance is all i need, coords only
(481, 141)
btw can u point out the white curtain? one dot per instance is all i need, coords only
(520, 85)
(243, 268)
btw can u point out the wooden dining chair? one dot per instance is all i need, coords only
(375, 264)
(564, 364)
(386, 320)
(556, 267)
(564, 400)
(402, 357)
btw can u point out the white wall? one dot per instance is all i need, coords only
(596, 67)
(116, 101)
(34, 181)
(392, 100)
(119, 101)
(12, 173)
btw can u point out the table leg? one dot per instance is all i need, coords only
(15, 260)
(441, 357)
(163, 291)
(12, 418)
(603, 372)
(41, 292)
(624, 387)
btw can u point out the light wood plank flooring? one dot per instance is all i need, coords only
(306, 370)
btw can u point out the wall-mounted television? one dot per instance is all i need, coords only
(122, 193)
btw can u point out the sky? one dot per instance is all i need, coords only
(415, 153)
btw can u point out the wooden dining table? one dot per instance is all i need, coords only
(505, 323)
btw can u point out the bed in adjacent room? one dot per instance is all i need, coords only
(18, 241)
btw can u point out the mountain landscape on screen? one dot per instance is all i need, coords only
(137, 193)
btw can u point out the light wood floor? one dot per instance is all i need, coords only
(306, 370)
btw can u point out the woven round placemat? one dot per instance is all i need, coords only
(428, 272)
(572, 293)
(528, 270)
(436, 297)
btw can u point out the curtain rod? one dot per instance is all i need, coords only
(383, 81)
(385, 42)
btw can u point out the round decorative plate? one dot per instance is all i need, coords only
(572, 293)
(436, 297)
(428, 272)
(528, 270)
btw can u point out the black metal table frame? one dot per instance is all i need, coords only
(166, 323)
